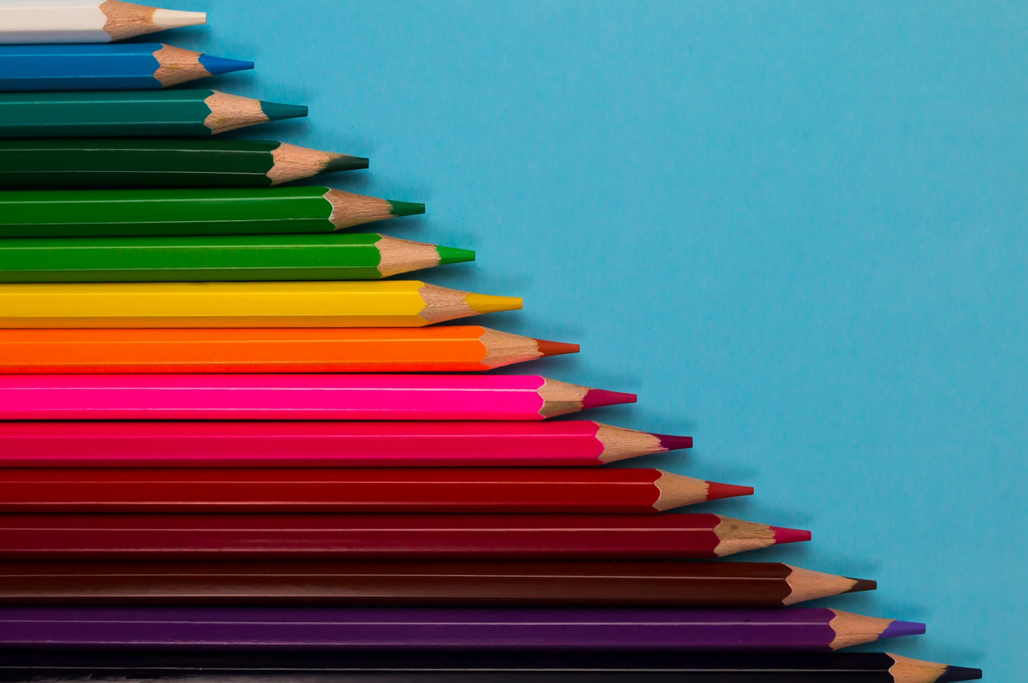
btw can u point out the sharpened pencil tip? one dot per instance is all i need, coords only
(218, 65)
(453, 255)
(674, 443)
(277, 112)
(784, 535)
(345, 162)
(898, 629)
(173, 18)
(717, 491)
(861, 585)
(597, 398)
(406, 208)
(485, 303)
(552, 348)
(952, 674)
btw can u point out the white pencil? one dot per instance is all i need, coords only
(85, 21)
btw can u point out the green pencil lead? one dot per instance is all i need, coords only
(406, 208)
(453, 255)
(276, 112)
(345, 162)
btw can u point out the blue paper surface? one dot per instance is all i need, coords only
(796, 229)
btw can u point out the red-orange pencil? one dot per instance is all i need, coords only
(521, 490)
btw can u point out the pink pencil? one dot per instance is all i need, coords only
(294, 397)
(559, 443)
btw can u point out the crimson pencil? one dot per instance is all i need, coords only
(476, 666)
(797, 629)
(681, 536)
(554, 490)
(295, 397)
(449, 583)
(561, 443)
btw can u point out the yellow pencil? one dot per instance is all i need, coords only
(241, 304)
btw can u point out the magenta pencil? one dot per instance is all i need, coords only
(561, 443)
(295, 397)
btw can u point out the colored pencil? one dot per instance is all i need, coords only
(797, 629)
(130, 66)
(407, 537)
(421, 490)
(85, 21)
(449, 348)
(161, 163)
(295, 397)
(407, 303)
(558, 443)
(155, 213)
(134, 114)
(481, 666)
(407, 582)
(219, 258)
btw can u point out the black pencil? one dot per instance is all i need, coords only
(475, 667)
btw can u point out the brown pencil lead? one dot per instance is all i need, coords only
(809, 585)
(552, 348)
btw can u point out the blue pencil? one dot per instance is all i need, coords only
(123, 66)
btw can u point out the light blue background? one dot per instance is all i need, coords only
(796, 229)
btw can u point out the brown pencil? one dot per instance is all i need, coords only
(424, 583)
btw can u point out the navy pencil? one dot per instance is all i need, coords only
(123, 66)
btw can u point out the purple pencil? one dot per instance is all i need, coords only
(384, 629)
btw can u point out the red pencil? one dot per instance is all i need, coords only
(520, 490)
(287, 536)
(561, 443)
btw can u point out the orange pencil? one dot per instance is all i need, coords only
(299, 350)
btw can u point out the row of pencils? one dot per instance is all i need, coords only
(206, 472)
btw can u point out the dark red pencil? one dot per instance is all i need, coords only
(512, 490)
(681, 536)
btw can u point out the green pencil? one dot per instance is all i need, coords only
(151, 213)
(133, 114)
(222, 258)
(46, 164)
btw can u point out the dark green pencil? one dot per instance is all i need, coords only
(219, 258)
(132, 163)
(133, 114)
(152, 213)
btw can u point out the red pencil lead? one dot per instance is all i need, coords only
(597, 398)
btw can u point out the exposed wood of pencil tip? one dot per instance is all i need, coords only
(178, 66)
(907, 670)
(403, 256)
(502, 348)
(295, 163)
(443, 304)
(738, 536)
(807, 585)
(229, 112)
(350, 209)
(561, 398)
(126, 20)
(677, 491)
(855, 629)
(620, 443)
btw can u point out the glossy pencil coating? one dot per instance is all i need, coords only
(798, 629)
(480, 666)
(134, 114)
(85, 21)
(295, 397)
(491, 490)
(223, 258)
(650, 583)
(395, 303)
(128, 66)
(157, 213)
(560, 443)
(407, 537)
(161, 163)
(450, 348)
